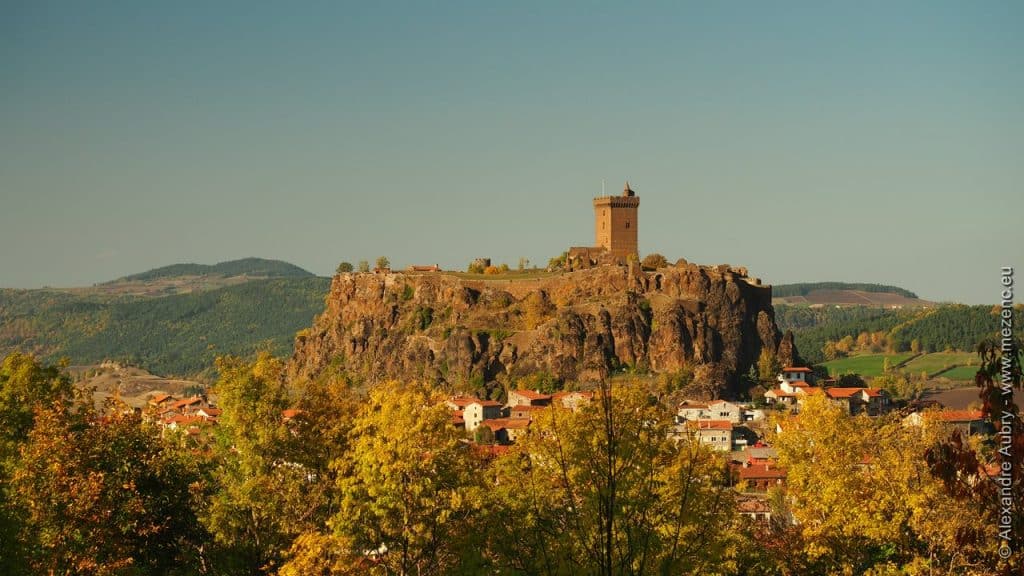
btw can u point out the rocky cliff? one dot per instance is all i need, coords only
(575, 326)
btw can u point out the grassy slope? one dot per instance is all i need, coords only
(869, 365)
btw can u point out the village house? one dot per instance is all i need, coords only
(526, 411)
(527, 398)
(573, 400)
(969, 422)
(468, 411)
(795, 375)
(477, 411)
(718, 434)
(691, 410)
(759, 476)
(755, 508)
(507, 430)
(870, 401)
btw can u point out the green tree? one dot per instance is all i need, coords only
(344, 267)
(383, 263)
(653, 261)
(364, 266)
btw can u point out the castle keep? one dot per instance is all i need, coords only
(615, 232)
(615, 222)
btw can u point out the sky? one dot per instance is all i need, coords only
(808, 141)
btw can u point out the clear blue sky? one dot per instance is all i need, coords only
(875, 142)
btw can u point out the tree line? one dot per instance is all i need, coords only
(381, 482)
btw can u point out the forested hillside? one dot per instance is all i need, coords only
(173, 335)
(947, 327)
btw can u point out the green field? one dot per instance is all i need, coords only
(960, 373)
(958, 365)
(869, 365)
(939, 361)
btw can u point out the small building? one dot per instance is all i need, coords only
(870, 401)
(795, 374)
(528, 398)
(969, 422)
(717, 434)
(471, 411)
(525, 411)
(477, 411)
(756, 508)
(691, 410)
(507, 430)
(573, 400)
(760, 476)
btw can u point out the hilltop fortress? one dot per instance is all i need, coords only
(606, 314)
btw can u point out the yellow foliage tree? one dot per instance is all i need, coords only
(409, 487)
(864, 500)
(607, 490)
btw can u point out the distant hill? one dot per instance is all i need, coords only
(846, 294)
(178, 334)
(254, 267)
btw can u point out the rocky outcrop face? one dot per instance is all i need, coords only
(577, 326)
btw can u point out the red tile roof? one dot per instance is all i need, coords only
(290, 413)
(188, 402)
(960, 415)
(796, 369)
(761, 471)
(841, 392)
(159, 398)
(531, 395)
(489, 450)
(462, 401)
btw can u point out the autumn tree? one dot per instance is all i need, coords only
(409, 487)
(26, 386)
(260, 500)
(863, 499)
(104, 494)
(606, 490)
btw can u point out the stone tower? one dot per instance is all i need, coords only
(615, 223)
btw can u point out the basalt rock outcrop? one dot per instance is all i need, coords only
(577, 326)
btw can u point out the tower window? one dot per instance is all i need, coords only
(627, 223)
